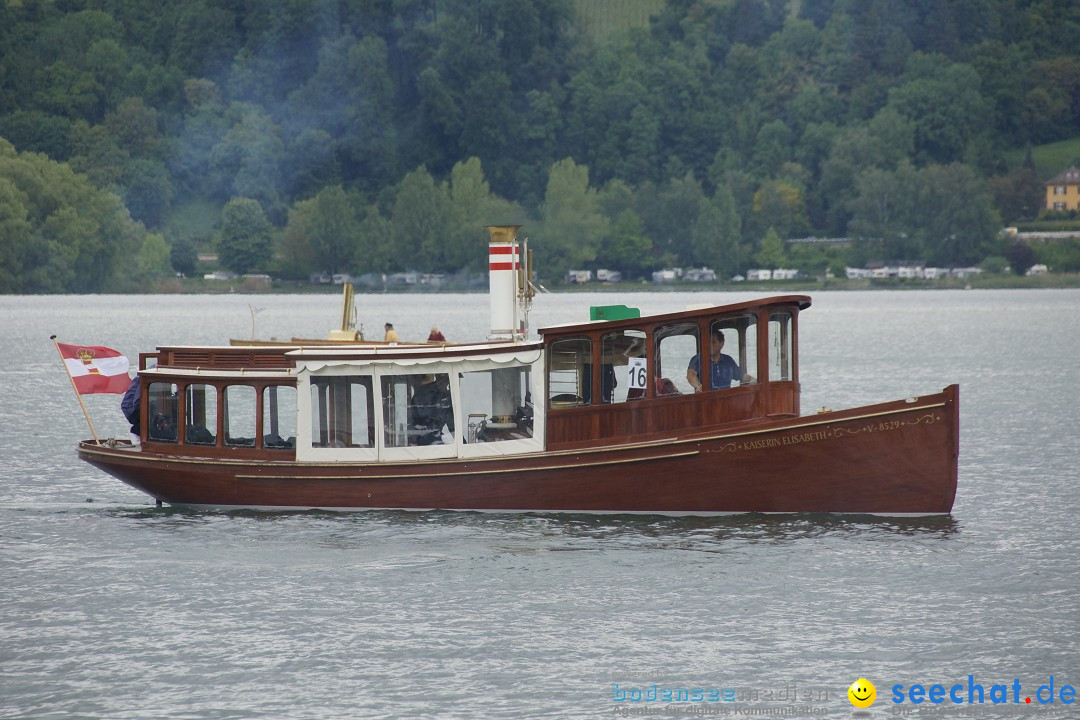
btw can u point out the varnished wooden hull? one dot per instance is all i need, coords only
(893, 458)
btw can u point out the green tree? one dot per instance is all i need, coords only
(773, 146)
(1060, 256)
(771, 252)
(1018, 195)
(472, 207)
(153, 260)
(779, 205)
(94, 153)
(670, 213)
(956, 215)
(148, 191)
(247, 162)
(884, 213)
(134, 127)
(625, 248)
(205, 39)
(350, 100)
(716, 238)
(65, 234)
(945, 103)
(65, 90)
(16, 230)
(883, 143)
(244, 244)
(941, 213)
(203, 130)
(38, 131)
(376, 245)
(573, 226)
(322, 233)
(1020, 257)
(541, 126)
(183, 256)
(420, 216)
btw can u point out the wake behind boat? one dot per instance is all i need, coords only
(686, 413)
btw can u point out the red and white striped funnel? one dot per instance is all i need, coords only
(505, 283)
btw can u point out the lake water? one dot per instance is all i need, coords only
(111, 608)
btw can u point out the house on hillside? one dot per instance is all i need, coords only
(701, 274)
(1063, 191)
(899, 269)
(578, 277)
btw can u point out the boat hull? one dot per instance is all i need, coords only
(894, 458)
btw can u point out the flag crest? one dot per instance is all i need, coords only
(96, 369)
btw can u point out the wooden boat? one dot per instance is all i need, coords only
(594, 417)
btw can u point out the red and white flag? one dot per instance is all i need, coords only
(96, 369)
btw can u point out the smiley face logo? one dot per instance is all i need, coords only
(862, 693)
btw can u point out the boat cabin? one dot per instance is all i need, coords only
(343, 403)
(624, 379)
(629, 378)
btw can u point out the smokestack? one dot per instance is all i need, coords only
(505, 277)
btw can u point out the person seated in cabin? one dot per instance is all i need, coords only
(162, 428)
(664, 387)
(436, 335)
(198, 435)
(432, 409)
(391, 335)
(723, 368)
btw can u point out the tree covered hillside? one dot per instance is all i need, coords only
(322, 135)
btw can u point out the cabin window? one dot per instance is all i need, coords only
(342, 412)
(740, 345)
(570, 373)
(496, 404)
(200, 414)
(780, 346)
(623, 366)
(239, 415)
(279, 417)
(417, 410)
(676, 346)
(162, 407)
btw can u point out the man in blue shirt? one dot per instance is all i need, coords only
(723, 368)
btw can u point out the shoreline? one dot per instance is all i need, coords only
(170, 286)
(994, 282)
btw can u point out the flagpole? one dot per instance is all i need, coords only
(76, 389)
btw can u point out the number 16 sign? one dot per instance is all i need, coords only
(638, 375)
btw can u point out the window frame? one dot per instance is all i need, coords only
(171, 397)
(640, 340)
(784, 345)
(747, 364)
(584, 372)
(677, 375)
(225, 416)
(215, 426)
(264, 413)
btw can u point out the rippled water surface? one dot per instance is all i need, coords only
(112, 608)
